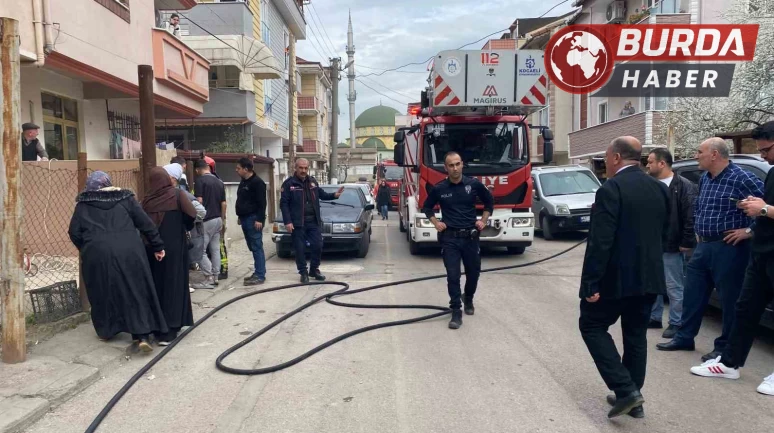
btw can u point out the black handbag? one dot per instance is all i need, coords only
(188, 242)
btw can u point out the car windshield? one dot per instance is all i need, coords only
(392, 172)
(479, 144)
(567, 182)
(348, 197)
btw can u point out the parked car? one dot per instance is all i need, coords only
(367, 192)
(689, 169)
(562, 198)
(346, 224)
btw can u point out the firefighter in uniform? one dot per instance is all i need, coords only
(458, 233)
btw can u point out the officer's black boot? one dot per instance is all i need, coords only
(456, 320)
(468, 303)
(315, 273)
(304, 277)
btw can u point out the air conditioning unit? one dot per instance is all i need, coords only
(616, 12)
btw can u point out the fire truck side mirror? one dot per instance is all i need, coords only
(398, 153)
(399, 137)
(548, 145)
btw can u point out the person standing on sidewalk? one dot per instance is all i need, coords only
(458, 233)
(300, 205)
(383, 199)
(211, 192)
(173, 215)
(723, 245)
(251, 211)
(758, 287)
(681, 238)
(623, 272)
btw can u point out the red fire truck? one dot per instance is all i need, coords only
(477, 105)
(390, 172)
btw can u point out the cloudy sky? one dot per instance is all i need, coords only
(392, 33)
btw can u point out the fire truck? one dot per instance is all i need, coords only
(477, 104)
(390, 172)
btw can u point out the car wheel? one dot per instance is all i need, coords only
(546, 227)
(401, 227)
(516, 250)
(283, 253)
(362, 249)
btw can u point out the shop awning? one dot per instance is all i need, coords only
(249, 55)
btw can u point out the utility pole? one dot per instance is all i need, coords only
(334, 162)
(291, 99)
(11, 271)
(147, 122)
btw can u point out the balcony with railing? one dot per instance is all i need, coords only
(644, 126)
(308, 105)
(177, 65)
(292, 12)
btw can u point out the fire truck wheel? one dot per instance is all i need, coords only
(283, 253)
(546, 227)
(413, 247)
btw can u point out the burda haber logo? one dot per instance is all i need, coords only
(660, 59)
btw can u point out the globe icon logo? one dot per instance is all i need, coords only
(578, 61)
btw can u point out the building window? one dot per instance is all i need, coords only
(118, 7)
(658, 103)
(602, 112)
(267, 102)
(60, 126)
(224, 77)
(265, 33)
(287, 50)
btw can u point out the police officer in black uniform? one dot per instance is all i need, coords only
(459, 231)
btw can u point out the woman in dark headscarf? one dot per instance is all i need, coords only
(174, 215)
(115, 266)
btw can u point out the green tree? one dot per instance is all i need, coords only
(233, 142)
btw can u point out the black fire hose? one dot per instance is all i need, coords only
(344, 291)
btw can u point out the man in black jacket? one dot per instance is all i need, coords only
(300, 205)
(681, 238)
(758, 287)
(251, 213)
(622, 272)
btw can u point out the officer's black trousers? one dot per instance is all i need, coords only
(453, 250)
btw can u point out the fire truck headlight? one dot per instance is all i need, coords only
(423, 223)
(562, 209)
(521, 222)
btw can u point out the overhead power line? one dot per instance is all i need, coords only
(461, 47)
(380, 93)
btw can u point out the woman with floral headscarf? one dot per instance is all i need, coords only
(118, 279)
(174, 215)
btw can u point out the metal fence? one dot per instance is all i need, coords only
(50, 259)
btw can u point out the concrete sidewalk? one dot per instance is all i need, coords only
(71, 361)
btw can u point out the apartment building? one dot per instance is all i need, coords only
(79, 79)
(240, 64)
(598, 120)
(314, 112)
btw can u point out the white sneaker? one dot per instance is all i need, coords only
(767, 386)
(191, 290)
(715, 368)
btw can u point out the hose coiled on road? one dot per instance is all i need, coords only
(344, 291)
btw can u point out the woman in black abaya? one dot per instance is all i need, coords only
(115, 265)
(173, 214)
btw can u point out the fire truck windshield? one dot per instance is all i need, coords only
(392, 172)
(479, 144)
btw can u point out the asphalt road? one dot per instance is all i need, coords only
(518, 365)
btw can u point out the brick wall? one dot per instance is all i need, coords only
(596, 138)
